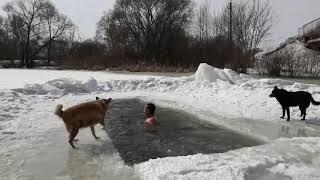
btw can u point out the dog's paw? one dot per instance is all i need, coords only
(74, 147)
(97, 137)
(282, 117)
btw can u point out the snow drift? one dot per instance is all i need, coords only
(207, 74)
(280, 160)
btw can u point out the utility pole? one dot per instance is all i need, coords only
(232, 55)
(230, 18)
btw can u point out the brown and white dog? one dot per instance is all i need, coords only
(83, 115)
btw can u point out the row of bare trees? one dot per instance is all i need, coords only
(243, 28)
(148, 32)
(172, 32)
(32, 28)
(145, 30)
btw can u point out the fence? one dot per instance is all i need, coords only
(310, 29)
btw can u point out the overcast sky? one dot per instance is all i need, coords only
(291, 14)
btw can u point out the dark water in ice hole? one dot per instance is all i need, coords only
(179, 134)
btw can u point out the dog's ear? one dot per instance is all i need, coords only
(107, 101)
(97, 98)
(275, 87)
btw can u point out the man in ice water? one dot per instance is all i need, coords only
(151, 120)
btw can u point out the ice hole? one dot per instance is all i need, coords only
(178, 134)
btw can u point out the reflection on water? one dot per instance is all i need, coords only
(269, 130)
(178, 134)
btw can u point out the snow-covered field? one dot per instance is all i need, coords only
(33, 140)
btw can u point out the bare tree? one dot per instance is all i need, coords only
(104, 28)
(14, 26)
(2, 30)
(115, 37)
(56, 27)
(4, 39)
(35, 24)
(25, 22)
(252, 22)
(149, 24)
(3, 33)
(204, 27)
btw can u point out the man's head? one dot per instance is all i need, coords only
(149, 109)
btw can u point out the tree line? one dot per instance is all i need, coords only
(33, 28)
(169, 33)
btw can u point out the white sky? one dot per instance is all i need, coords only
(291, 14)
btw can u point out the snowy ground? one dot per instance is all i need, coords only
(28, 128)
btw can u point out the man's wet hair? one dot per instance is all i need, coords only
(151, 107)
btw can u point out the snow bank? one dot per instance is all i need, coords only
(18, 78)
(283, 159)
(71, 86)
(61, 86)
(79, 83)
(207, 74)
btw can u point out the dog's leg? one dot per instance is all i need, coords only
(301, 110)
(69, 130)
(93, 132)
(283, 112)
(288, 114)
(73, 134)
(304, 111)
(304, 117)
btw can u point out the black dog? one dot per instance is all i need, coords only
(287, 99)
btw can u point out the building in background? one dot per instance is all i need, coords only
(310, 34)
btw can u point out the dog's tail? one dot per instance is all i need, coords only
(58, 111)
(314, 102)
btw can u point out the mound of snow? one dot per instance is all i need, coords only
(91, 84)
(61, 86)
(232, 75)
(207, 74)
(65, 86)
